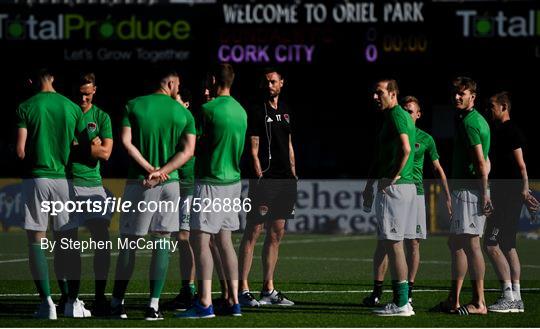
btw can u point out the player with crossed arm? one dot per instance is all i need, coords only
(154, 128)
(186, 175)
(94, 144)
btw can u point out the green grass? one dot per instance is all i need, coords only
(327, 276)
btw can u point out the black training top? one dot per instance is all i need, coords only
(273, 127)
(507, 138)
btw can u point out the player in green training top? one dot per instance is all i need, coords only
(217, 172)
(471, 202)
(396, 190)
(47, 124)
(154, 128)
(95, 143)
(186, 175)
(415, 228)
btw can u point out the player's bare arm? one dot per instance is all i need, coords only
(101, 149)
(530, 201)
(22, 133)
(482, 168)
(255, 155)
(291, 157)
(133, 151)
(178, 160)
(440, 172)
(403, 155)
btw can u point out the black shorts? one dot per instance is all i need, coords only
(502, 226)
(271, 199)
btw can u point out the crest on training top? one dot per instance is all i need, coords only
(286, 117)
(91, 127)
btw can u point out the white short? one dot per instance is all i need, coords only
(94, 194)
(213, 222)
(467, 216)
(416, 225)
(392, 209)
(139, 223)
(38, 190)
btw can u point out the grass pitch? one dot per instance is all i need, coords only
(327, 276)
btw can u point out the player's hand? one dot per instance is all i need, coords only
(158, 174)
(150, 183)
(258, 172)
(384, 183)
(530, 201)
(487, 206)
(96, 141)
(156, 177)
(532, 204)
(449, 206)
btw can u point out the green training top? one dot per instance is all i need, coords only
(223, 133)
(186, 174)
(51, 121)
(396, 122)
(424, 143)
(472, 129)
(157, 123)
(85, 169)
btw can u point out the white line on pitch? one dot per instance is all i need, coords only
(299, 292)
(369, 260)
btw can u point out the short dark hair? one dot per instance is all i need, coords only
(391, 85)
(411, 99)
(503, 98)
(160, 76)
(464, 83)
(87, 78)
(39, 76)
(268, 70)
(224, 75)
